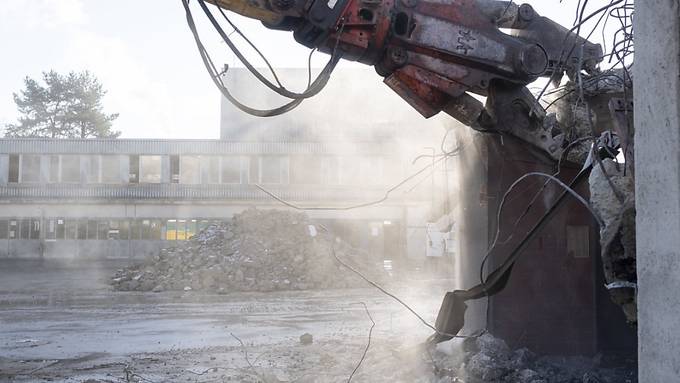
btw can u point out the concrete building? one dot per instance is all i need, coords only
(129, 197)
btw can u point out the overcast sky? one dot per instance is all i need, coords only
(143, 53)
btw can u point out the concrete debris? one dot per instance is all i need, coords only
(489, 359)
(258, 250)
(572, 113)
(618, 233)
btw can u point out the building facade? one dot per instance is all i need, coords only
(127, 198)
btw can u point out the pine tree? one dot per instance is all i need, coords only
(67, 106)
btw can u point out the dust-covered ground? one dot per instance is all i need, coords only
(61, 322)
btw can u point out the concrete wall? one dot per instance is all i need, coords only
(80, 249)
(657, 152)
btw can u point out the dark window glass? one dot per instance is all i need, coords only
(4, 228)
(13, 168)
(71, 229)
(61, 228)
(134, 169)
(82, 229)
(91, 229)
(103, 230)
(24, 228)
(174, 169)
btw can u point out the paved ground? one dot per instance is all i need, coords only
(62, 323)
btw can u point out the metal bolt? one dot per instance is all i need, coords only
(526, 12)
(398, 56)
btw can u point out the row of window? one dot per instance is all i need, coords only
(99, 229)
(193, 169)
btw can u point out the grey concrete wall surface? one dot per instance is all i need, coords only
(657, 152)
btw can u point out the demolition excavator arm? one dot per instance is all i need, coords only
(436, 53)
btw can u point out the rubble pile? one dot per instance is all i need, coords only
(489, 359)
(258, 250)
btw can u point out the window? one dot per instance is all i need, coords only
(135, 228)
(231, 170)
(156, 229)
(82, 229)
(253, 170)
(70, 169)
(13, 229)
(13, 168)
(92, 174)
(181, 230)
(134, 169)
(61, 228)
(150, 169)
(191, 228)
(54, 169)
(273, 170)
(102, 230)
(91, 229)
(24, 228)
(211, 174)
(111, 169)
(114, 230)
(174, 169)
(51, 233)
(125, 229)
(30, 168)
(190, 170)
(305, 170)
(71, 229)
(171, 230)
(35, 229)
(146, 229)
(4, 228)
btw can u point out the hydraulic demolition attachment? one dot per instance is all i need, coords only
(435, 54)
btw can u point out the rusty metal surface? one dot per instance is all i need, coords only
(549, 303)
